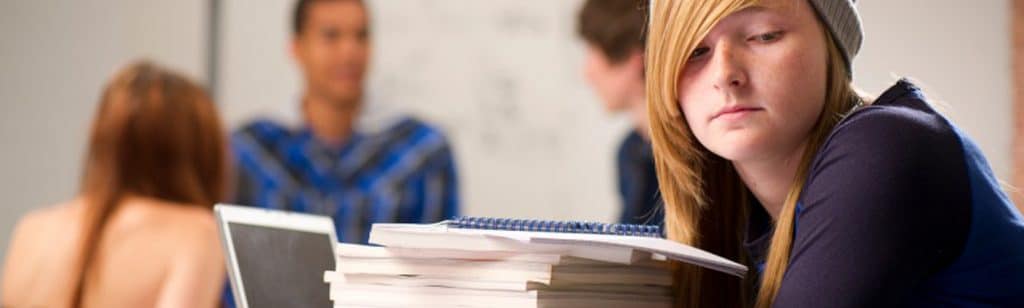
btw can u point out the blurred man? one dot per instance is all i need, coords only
(401, 171)
(613, 31)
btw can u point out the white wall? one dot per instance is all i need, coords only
(54, 58)
(960, 52)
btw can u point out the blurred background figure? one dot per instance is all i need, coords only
(614, 33)
(140, 233)
(400, 170)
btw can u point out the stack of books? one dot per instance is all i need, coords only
(444, 266)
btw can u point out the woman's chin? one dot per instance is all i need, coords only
(738, 148)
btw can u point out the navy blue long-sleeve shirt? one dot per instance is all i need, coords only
(900, 208)
(638, 182)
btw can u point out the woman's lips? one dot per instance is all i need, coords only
(735, 112)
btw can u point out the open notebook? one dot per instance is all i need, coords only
(602, 242)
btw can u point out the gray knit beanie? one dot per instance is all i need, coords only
(842, 19)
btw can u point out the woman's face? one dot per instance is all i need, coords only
(755, 85)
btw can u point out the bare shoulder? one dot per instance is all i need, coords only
(38, 245)
(196, 264)
(201, 225)
(31, 225)
(41, 218)
(55, 220)
(179, 227)
(166, 215)
(188, 215)
(194, 226)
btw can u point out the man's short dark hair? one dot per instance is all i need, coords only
(301, 12)
(616, 27)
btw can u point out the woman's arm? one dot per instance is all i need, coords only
(13, 279)
(887, 204)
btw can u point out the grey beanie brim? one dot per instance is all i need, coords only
(843, 21)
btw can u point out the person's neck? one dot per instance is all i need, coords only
(331, 122)
(638, 116)
(770, 179)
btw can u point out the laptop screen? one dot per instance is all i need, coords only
(282, 267)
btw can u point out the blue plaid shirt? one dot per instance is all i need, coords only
(402, 173)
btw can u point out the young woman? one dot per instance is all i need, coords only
(765, 153)
(141, 233)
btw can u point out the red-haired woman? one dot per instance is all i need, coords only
(140, 233)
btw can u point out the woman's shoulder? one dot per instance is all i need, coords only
(149, 246)
(54, 220)
(39, 253)
(178, 227)
(184, 233)
(167, 217)
(901, 122)
(899, 139)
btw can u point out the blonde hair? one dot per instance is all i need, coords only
(705, 200)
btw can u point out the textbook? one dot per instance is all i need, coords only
(480, 284)
(508, 271)
(624, 249)
(395, 296)
(486, 262)
(373, 276)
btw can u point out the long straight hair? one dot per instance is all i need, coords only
(705, 200)
(155, 134)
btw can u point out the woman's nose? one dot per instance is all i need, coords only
(727, 68)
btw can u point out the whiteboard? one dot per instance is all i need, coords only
(502, 78)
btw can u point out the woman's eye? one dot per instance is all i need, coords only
(767, 37)
(697, 53)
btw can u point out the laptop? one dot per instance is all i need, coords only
(277, 258)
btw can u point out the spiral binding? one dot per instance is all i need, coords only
(537, 225)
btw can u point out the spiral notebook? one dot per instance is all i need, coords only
(561, 226)
(606, 242)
